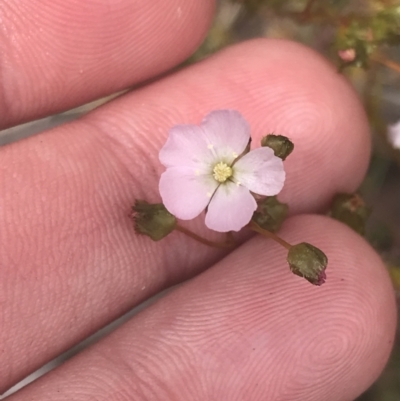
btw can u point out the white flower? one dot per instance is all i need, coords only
(394, 134)
(206, 168)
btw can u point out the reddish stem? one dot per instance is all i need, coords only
(202, 240)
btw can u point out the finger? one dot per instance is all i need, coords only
(248, 329)
(71, 261)
(57, 54)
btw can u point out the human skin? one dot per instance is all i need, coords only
(243, 327)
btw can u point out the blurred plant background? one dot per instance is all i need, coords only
(362, 38)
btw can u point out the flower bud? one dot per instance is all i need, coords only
(309, 262)
(281, 145)
(351, 210)
(347, 55)
(153, 220)
(270, 214)
(355, 43)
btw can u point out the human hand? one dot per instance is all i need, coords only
(70, 262)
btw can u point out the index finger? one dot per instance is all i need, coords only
(58, 54)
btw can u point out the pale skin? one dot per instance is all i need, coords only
(70, 262)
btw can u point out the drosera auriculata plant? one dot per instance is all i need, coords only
(211, 168)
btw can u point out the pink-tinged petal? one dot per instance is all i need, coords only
(184, 193)
(260, 171)
(394, 134)
(186, 146)
(231, 208)
(228, 134)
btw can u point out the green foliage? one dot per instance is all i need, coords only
(358, 36)
(386, 26)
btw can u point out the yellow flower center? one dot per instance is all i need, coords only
(222, 172)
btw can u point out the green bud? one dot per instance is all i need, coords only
(359, 37)
(351, 210)
(153, 220)
(281, 145)
(309, 262)
(270, 214)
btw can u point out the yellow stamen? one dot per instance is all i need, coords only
(222, 172)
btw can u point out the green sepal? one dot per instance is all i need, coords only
(351, 210)
(281, 145)
(306, 260)
(270, 214)
(153, 220)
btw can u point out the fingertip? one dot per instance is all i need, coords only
(57, 55)
(275, 334)
(351, 334)
(297, 340)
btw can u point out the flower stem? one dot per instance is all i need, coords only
(202, 240)
(230, 239)
(255, 227)
(307, 9)
(387, 63)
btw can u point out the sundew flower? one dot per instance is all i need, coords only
(210, 168)
(394, 134)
